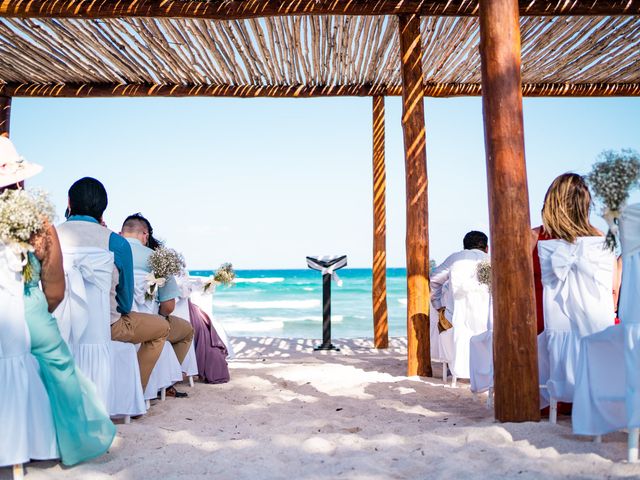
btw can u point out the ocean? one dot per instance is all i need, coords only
(288, 303)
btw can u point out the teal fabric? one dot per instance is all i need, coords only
(141, 255)
(83, 427)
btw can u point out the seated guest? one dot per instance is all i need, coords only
(461, 301)
(83, 228)
(137, 231)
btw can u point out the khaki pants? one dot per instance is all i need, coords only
(180, 336)
(150, 331)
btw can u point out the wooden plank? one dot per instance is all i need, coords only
(514, 329)
(417, 238)
(302, 91)
(5, 116)
(379, 290)
(236, 9)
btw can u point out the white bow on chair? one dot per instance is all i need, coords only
(11, 295)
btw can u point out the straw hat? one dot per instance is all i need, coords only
(13, 168)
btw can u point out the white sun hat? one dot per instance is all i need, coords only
(13, 168)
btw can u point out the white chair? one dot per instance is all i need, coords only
(481, 359)
(84, 321)
(84, 314)
(167, 370)
(434, 342)
(470, 307)
(27, 425)
(577, 280)
(607, 396)
(189, 364)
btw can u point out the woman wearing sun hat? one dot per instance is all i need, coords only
(83, 428)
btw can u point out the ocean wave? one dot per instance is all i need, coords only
(402, 301)
(260, 280)
(293, 304)
(244, 326)
(308, 289)
(305, 318)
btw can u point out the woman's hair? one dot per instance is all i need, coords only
(566, 209)
(153, 243)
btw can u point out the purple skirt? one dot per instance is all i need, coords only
(211, 352)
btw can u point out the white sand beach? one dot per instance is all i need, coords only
(290, 413)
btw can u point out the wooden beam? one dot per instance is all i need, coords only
(237, 9)
(302, 91)
(5, 116)
(415, 156)
(379, 290)
(514, 329)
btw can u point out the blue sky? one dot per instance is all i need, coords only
(264, 182)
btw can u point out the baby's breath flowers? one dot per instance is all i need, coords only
(23, 213)
(225, 275)
(612, 178)
(483, 273)
(163, 263)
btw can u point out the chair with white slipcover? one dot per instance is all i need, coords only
(434, 341)
(204, 300)
(607, 393)
(577, 281)
(167, 370)
(28, 431)
(470, 309)
(189, 364)
(481, 359)
(84, 321)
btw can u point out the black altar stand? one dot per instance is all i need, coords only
(327, 265)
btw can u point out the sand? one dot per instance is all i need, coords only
(289, 413)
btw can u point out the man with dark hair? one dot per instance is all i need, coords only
(83, 228)
(444, 287)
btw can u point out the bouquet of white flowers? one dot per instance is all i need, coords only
(163, 263)
(483, 273)
(611, 180)
(23, 213)
(225, 275)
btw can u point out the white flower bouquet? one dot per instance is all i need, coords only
(612, 178)
(163, 263)
(483, 273)
(23, 213)
(225, 275)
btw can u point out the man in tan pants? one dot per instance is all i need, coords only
(138, 232)
(84, 228)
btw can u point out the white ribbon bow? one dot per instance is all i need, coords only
(610, 216)
(154, 283)
(12, 322)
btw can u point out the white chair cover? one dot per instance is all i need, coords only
(481, 357)
(84, 315)
(167, 370)
(607, 396)
(577, 282)
(470, 309)
(189, 364)
(434, 336)
(204, 300)
(25, 413)
(126, 397)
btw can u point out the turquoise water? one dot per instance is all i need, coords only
(288, 303)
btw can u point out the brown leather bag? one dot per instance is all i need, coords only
(443, 323)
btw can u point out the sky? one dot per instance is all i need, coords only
(262, 183)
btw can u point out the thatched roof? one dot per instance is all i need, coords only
(299, 55)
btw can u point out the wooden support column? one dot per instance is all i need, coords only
(5, 115)
(417, 239)
(380, 312)
(514, 329)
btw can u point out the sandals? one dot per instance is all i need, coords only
(172, 392)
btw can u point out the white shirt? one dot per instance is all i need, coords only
(441, 295)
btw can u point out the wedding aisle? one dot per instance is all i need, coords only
(290, 413)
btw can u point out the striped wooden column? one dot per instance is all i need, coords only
(379, 291)
(514, 329)
(417, 238)
(5, 116)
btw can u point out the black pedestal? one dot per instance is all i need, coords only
(326, 315)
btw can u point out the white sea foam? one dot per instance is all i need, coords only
(304, 318)
(402, 301)
(293, 304)
(308, 289)
(260, 280)
(241, 325)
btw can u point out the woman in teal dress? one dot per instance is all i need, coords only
(83, 428)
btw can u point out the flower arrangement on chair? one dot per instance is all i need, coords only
(483, 273)
(225, 275)
(163, 263)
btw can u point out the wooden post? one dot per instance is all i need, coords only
(514, 329)
(379, 291)
(417, 239)
(5, 116)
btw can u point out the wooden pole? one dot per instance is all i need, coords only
(514, 330)
(379, 291)
(5, 116)
(417, 239)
